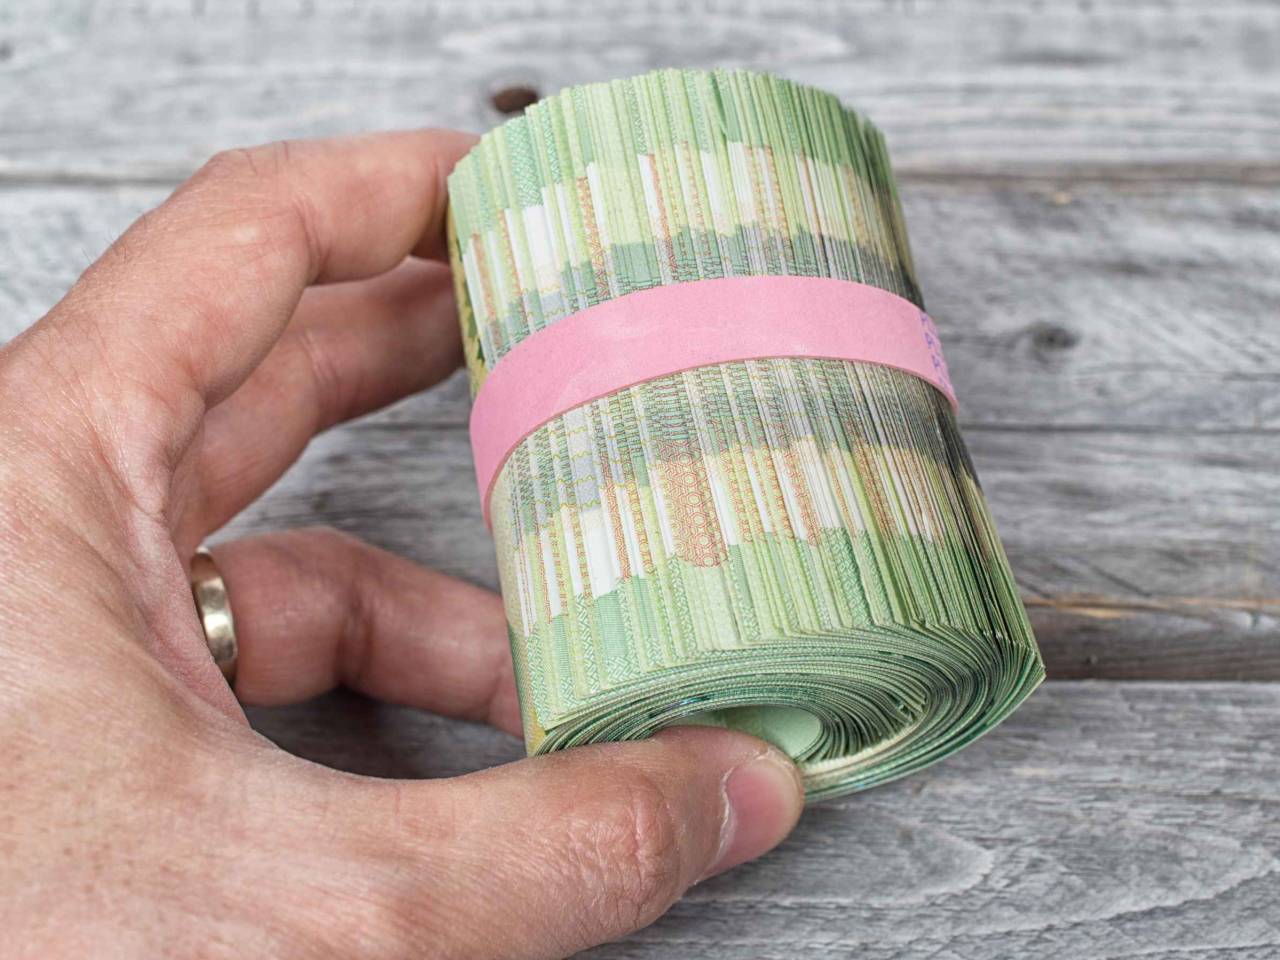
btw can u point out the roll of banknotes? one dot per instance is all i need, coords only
(793, 546)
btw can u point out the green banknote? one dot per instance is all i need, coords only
(797, 548)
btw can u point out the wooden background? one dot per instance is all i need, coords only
(1093, 191)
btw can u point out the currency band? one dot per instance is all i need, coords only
(653, 333)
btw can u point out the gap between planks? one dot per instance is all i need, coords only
(1117, 175)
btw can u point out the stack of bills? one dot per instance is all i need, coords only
(797, 548)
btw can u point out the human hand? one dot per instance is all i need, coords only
(279, 291)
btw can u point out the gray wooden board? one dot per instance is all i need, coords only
(1116, 351)
(139, 88)
(1102, 820)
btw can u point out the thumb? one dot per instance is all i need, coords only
(548, 856)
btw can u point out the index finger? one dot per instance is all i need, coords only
(185, 304)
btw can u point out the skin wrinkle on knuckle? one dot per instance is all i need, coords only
(232, 205)
(257, 205)
(358, 636)
(336, 559)
(331, 393)
(306, 216)
(626, 850)
(240, 166)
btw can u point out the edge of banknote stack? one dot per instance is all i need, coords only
(794, 547)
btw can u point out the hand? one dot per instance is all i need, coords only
(279, 291)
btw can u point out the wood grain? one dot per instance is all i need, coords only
(1133, 820)
(133, 89)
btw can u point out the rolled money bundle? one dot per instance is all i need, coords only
(795, 546)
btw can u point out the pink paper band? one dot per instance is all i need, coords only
(663, 330)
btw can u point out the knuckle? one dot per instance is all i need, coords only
(246, 163)
(234, 164)
(628, 850)
(331, 391)
(269, 213)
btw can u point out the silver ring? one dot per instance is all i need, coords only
(214, 609)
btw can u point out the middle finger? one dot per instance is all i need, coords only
(316, 608)
(350, 349)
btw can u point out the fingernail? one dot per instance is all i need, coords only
(763, 799)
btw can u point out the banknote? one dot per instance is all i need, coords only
(796, 547)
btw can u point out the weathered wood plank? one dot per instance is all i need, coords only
(1132, 307)
(1142, 555)
(1101, 820)
(131, 89)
